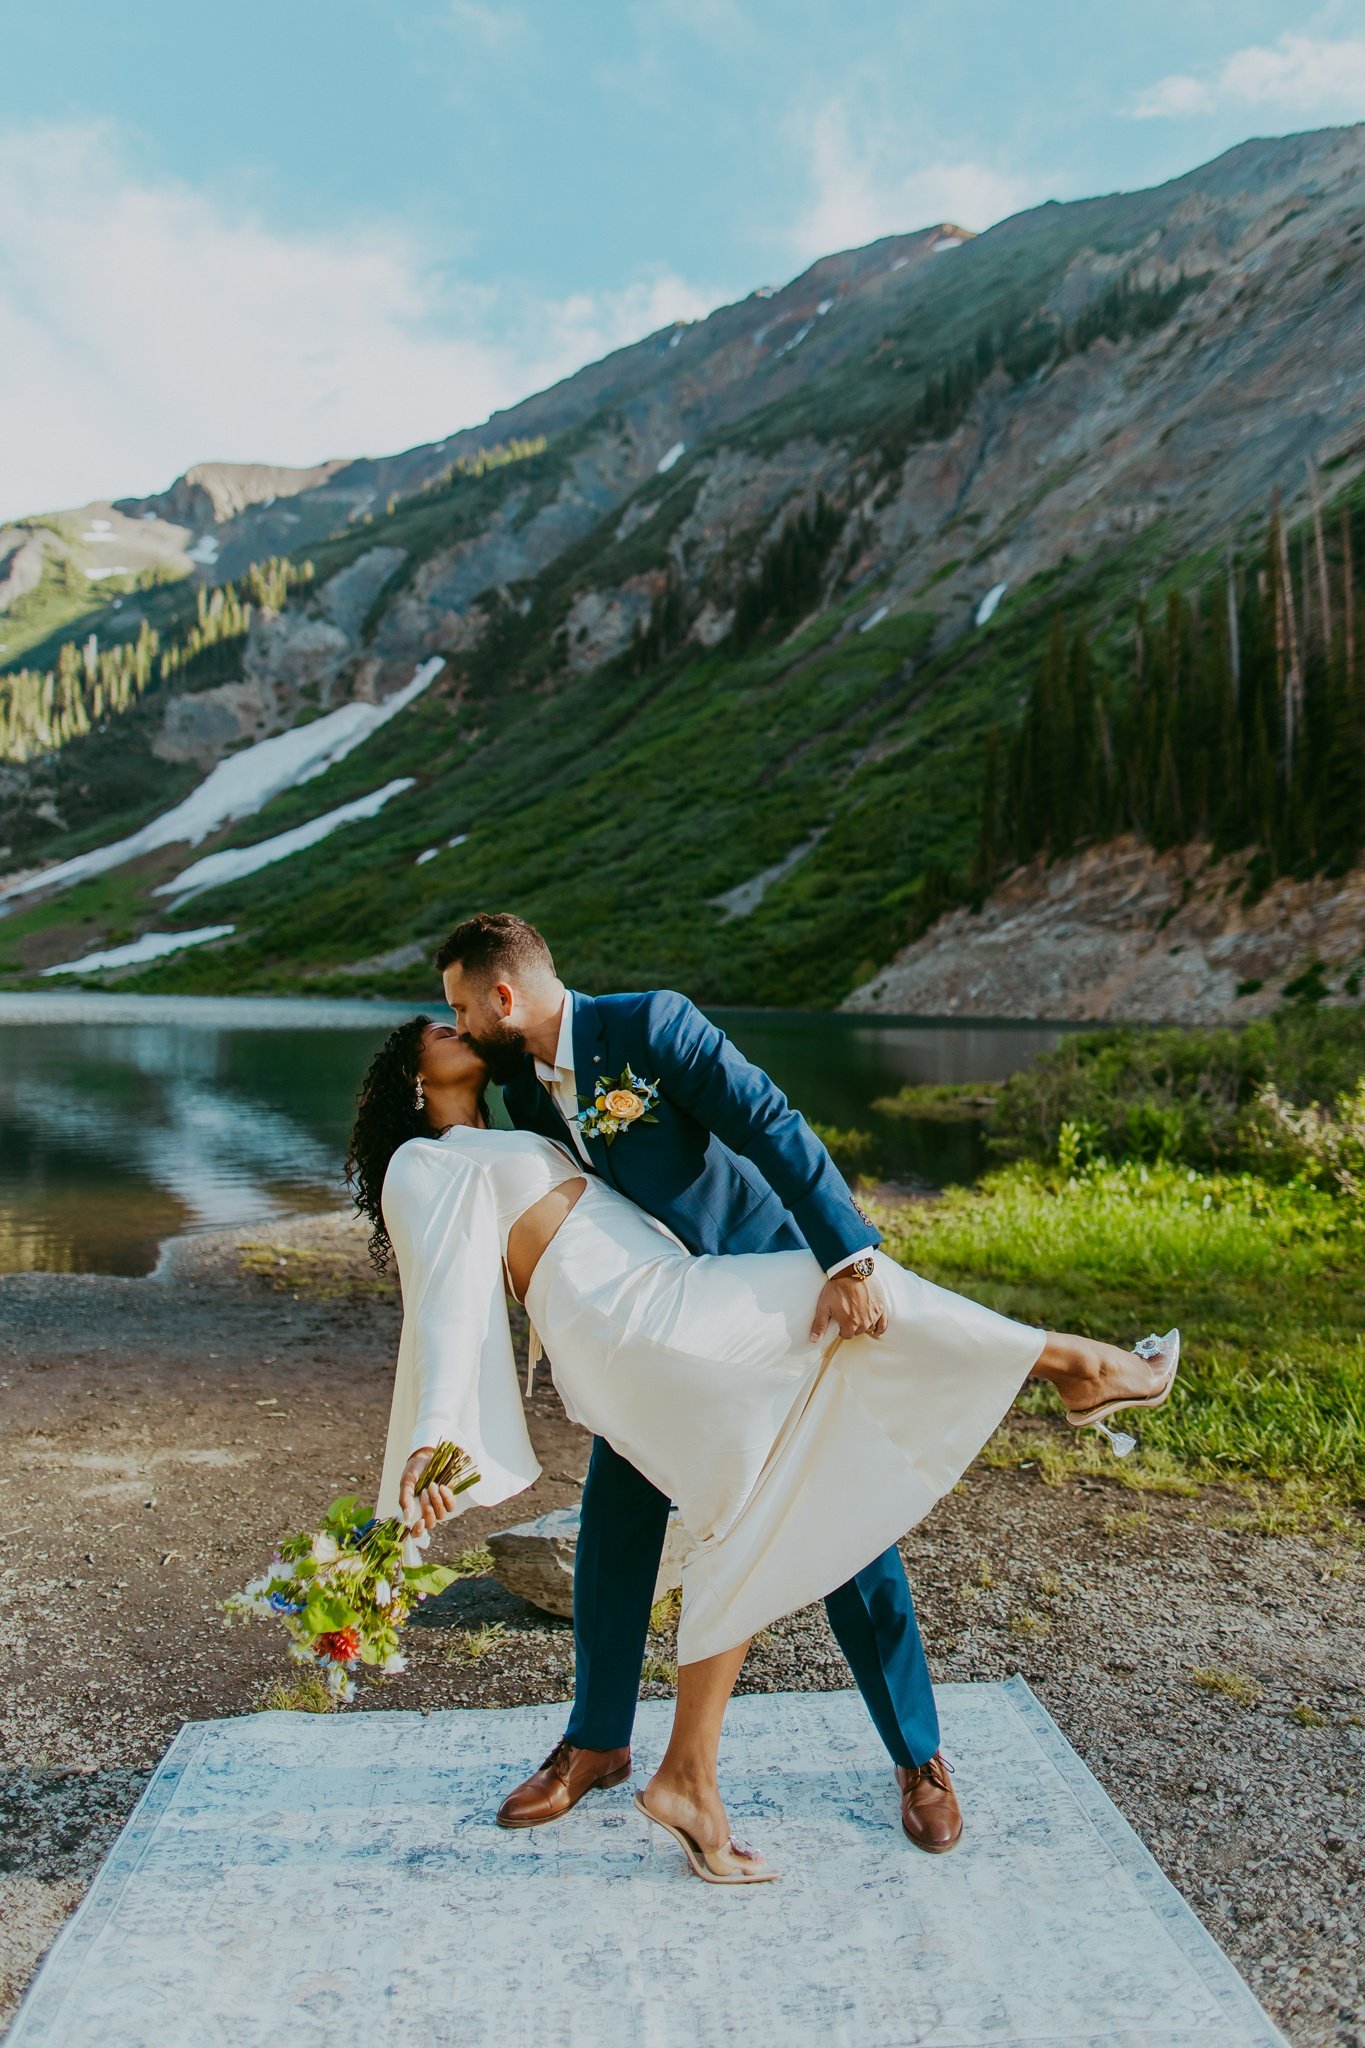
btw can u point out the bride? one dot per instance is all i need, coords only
(792, 1462)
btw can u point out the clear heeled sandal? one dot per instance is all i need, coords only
(734, 1864)
(1097, 1418)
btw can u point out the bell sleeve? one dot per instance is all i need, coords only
(456, 1375)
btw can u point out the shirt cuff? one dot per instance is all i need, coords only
(832, 1272)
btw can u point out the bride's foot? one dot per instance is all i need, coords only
(1089, 1375)
(695, 1818)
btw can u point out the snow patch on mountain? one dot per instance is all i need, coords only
(233, 862)
(667, 460)
(151, 946)
(241, 785)
(430, 852)
(987, 607)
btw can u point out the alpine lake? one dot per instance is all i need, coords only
(128, 1120)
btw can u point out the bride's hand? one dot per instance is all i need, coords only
(422, 1512)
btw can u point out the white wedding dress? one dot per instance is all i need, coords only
(792, 1465)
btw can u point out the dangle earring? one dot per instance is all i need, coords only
(421, 1094)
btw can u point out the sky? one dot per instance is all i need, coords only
(288, 230)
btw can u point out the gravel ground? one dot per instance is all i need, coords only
(159, 1434)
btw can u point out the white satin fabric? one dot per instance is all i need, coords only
(792, 1465)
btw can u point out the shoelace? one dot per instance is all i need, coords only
(934, 1771)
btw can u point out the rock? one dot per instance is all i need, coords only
(346, 597)
(600, 622)
(1122, 933)
(21, 565)
(535, 1560)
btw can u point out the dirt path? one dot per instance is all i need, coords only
(157, 1435)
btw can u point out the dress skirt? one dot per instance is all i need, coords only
(792, 1464)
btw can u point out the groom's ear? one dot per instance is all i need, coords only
(505, 996)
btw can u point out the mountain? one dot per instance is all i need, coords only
(721, 621)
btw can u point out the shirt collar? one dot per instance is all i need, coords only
(563, 1061)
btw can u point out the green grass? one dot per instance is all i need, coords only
(302, 1691)
(1265, 1282)
(1232, 1685)
(941, 1102)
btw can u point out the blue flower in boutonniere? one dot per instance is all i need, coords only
(616, 1105)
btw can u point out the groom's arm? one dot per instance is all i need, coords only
(700, 1071)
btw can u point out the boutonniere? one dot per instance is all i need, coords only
(616, 1105)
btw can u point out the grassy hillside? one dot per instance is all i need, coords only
(614, 810)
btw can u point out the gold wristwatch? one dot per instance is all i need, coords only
(861, 1269)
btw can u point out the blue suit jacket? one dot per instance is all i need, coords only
(730, 1166)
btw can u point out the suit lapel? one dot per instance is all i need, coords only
(589, 1054)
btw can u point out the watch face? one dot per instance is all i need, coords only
(864, 1268)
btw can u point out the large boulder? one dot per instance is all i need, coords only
(535, 1560)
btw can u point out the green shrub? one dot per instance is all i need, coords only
(1197, 1098)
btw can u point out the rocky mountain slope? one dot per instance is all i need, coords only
(721, 621)
(1120, 933)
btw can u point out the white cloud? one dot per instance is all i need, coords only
(721, 23)
(145, 325)
(1309, 75)
(494, 27)
(861, 187)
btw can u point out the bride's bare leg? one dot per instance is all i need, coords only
(1085, 1372)
(684, 1790)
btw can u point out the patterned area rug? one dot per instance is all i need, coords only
(311, 1879)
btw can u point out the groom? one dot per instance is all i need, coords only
(728, 1166)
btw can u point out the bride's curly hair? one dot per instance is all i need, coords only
(386, 1116)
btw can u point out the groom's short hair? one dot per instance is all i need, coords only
(496, 944)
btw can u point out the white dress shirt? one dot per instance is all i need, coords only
(560, 1081)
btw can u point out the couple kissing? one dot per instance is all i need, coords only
(718, 1312)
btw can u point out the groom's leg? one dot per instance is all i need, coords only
(873, 1618)
(620, 1541)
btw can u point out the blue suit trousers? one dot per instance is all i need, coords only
(620, 1542)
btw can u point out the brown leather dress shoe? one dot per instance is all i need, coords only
(930, 1813)
(566, 1774)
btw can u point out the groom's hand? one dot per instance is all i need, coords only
(857, 1306)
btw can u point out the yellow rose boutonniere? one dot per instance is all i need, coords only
(616, 1105)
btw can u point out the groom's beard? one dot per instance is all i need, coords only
(502, 1049)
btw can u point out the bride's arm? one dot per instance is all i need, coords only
(456, 1376)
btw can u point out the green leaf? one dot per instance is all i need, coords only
(429, 1578)
(325, 1612)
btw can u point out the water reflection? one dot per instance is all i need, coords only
(127, 1120)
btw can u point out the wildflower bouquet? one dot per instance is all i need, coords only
(342, 1592)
